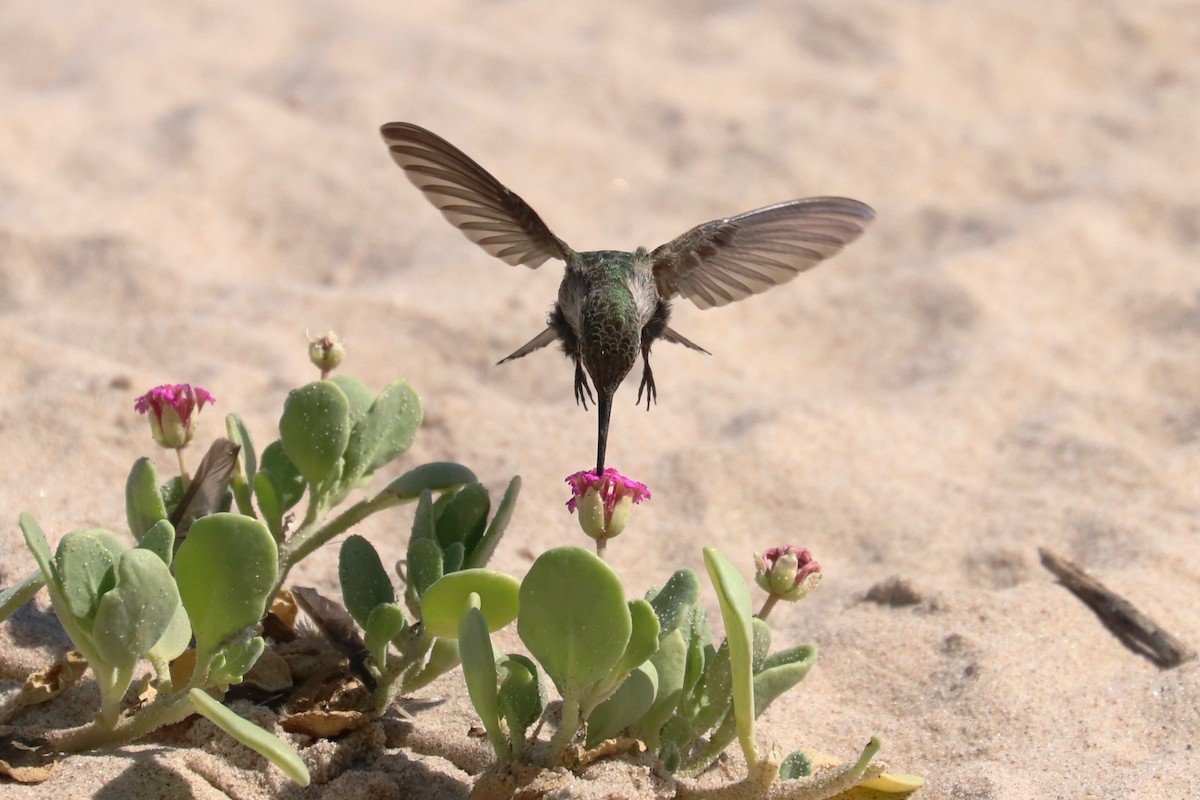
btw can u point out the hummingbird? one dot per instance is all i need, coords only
(613, 304)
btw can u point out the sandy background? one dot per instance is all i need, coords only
(1009, 359)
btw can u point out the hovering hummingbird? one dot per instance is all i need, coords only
(613, 304)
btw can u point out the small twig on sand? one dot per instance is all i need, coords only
(1135, 630)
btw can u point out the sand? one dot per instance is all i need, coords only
(1009, 359)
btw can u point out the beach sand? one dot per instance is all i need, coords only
(1009, 359)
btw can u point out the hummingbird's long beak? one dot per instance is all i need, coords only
(604, 413)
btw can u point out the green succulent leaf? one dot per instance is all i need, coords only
(384, 624)
(172, 492)
(443, 657)
(269, 746)
(464, 518)
(143, 501)
(675, 600)
(479, 672)
(424, 565)
(85, 562)
(365, 583)
(357, 393)
(452, 557)
(443, 603)
(643, 637)
(239, 657)
(225, 569)
(628, 703)
(481, 552)
(20, 593)
(761, 647)
(439, 476)
(424, 524)
(669, 665)
(573, 617)
(269, 506)
(160, 540)
(242, 479)
(35, 540)
(522, 695)
(315, 429)
(780, 673)
(286, 479)
(133, 615)
(797, 764)
(734, 598)
(175, 638)
(385, 431)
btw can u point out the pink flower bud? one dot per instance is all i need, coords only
(172, 411)
(788, 572)
(604, 502)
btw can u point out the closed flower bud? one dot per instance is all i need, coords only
(172, 411)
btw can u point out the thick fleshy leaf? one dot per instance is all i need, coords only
(285, 477)
(669, 664)
(315, 429)
(269, 746)
(761, 647)
(225, 570)
(465, 517)
(481, 552)
(160, 540)
(626, 706)
(357, 393)
(175, 638)
(479, 672)
(797, 764)
(86, 562)
(385, 431)
(643, 637)
(443, 603)
(522, 694)
(440, 476)
(675, 599)
(573, 617)
(266, 494)
(133, 616)
(20, 593)
(384, 624)
(35, 540)
(143, 501)
(424, 565)
(734, 598)
(781, 672)
(238, 658)
(365, 583)
(242, 480)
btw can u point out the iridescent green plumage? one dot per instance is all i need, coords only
(611, 303)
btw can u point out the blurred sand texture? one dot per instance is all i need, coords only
(1010, 358)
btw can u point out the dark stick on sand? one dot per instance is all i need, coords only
(1136, 631)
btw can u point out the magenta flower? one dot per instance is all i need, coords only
(604, 502)
(788, 573)
(172, 411)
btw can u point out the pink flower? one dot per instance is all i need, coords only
(787, 572)
(172, 412)
(604, 501)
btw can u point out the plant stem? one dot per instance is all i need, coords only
(767, 605)
(313, 535)
(184, 476)
(568, 726)
(95, 736)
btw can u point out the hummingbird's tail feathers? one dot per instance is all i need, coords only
(486, 211)
(536, 343)
(726, 260)
(675, 336)
(604, 407)
(583, 392)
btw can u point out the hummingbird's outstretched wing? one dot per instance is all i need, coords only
(728, 259)
(536, 343)
(675, 336)
(477, 204)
